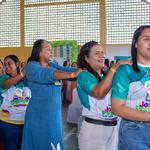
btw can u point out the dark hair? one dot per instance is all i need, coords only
(117, 60)
(82, 63)
(37, 46)
(29, 59)
(136, 36)
(1, 62)
(15, 59)
(106, 62)
(65, 62)
(111, 63)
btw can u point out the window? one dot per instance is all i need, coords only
(10, 24)
(123, 17)
(78, 22)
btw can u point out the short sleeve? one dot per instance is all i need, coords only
(39, 74)
(120, 84)
(86, 81)
(2, 78)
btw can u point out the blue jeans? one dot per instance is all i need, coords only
(11, 135)
(134, 135)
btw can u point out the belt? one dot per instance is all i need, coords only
(101, 122)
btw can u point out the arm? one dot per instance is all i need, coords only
(119, 108)
(7, 83)
(90, 85)
(12, 81)
(36, 73)
(120, 90)
(66, 75)
(101, 89)
(62, 68)
(39, 74)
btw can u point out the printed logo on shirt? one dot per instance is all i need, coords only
(101, 108)
(15, 101)
(138, 98)
(107, 113)
(19, 99)
(145, 105)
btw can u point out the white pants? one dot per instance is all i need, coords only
(97, 137)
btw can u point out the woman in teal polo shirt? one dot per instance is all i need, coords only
(98, 130)
(15, 96)
(131, 95)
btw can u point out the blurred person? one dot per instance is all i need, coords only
(106, 66)
(1, 72)
(23, 64)
(112, 63)
(1, 67)
(73, 83)
(66, 63)
(66, 86)
(74, 64)
(117, 60)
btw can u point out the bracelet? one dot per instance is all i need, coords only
(112, 70)
(72, 75)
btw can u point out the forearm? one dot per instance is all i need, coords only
(126, 112)
(58, 75)
(12, 81)
(64, 69)
(101, 89)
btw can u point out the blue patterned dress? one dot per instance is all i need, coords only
(43, 122)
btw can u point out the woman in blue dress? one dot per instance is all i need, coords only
(43, 122)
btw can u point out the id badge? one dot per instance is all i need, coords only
(147, 87)
(146, 82)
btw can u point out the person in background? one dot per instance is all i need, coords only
(74, 64)
(73, 83)
(66, 86)
(1, 72)
(117, 60)
(131, 94)
(66, 63)
(23, 64)
(106, 62)
(112, 63)
(15, 97)
(43, 122)
(99, 128)
(106, 66)
(1, 67)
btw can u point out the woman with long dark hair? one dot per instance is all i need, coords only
(15, 96)
(131, 94)
(43, 122)
(99, 128)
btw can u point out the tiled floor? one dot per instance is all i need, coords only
(70, 131)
